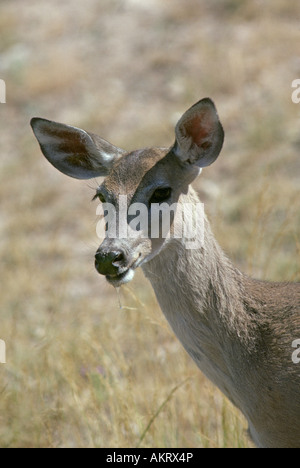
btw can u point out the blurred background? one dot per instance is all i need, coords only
(88, 366)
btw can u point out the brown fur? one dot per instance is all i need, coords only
(238, 330)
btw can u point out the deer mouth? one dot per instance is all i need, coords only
(117, 266)
(126, 274)
(121, 278)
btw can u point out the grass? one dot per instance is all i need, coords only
(86, 366)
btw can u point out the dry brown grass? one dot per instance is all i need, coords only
(83, 371)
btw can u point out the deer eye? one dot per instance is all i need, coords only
(100, 197)
(160, 195)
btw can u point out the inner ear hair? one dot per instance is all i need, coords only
(199, 134)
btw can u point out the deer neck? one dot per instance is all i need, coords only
(201, 295)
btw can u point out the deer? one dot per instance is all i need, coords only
(239, 330)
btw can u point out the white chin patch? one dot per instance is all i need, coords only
(117, 281)
(128, 276)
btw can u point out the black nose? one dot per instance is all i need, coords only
(109, 262)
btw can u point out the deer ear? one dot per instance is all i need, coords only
(73, 151)
(199, 135)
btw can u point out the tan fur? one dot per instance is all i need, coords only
(238, 330)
